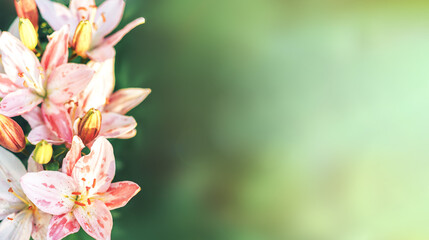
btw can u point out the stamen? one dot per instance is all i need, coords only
(87, 188)
(80, 204)
(10, 218)
(9, 180)
(16, 195)
(93, 183)
(104, 17)
(21, 74)
(76, 193)
(89, 201)
(83, 179)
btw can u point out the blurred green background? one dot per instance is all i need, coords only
(275, 119)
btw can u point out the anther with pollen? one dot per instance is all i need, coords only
(80, 204)
(89, 201)
(9, 180)
(76, 193)
(10, 218)
(93, 183)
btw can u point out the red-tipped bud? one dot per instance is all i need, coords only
(11, 134)
(28, 9)
(89, 126)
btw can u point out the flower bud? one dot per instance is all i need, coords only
(43, 152)
(11, 134)
(28, 34)
(82, 38)
(28, 9)
(89, 126)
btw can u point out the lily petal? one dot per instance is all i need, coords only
(97, 169)
(62, 226)
(57, 51)
(67, 81)
(108, 16)
(114, 125)
(58, 121)
(56, 14)
(40, 225)
(73, 155)
(17, 226)
(11, 170)
(101, 86)
(119, 194)
(102, 53)
(128, 135)
(34, 117)
(126, 99)
(50, 191)
(82, 9)
(115, 38)
(6, 85)
(19, 60)
(32, 165)
(14, 28)
(19, 102)
(95, 219)
(42, 132)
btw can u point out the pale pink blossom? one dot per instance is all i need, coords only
(82, 195)
(21, 218)
(105, 18)
(27, 82)
(99, 95)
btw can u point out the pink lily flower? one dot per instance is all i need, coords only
(21, 218)
(83, 194)
(27, 82)
(99, 95)
(104, 18)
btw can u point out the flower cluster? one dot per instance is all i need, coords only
(59, 77)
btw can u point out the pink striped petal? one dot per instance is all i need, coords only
(57, 51)
(58, 121)
(68, 81)
(126, 99)
(119, 194)
(50, 191)
(97, 169)
(73, 155)
(95, 219)
(114, 125)
(42, 132)
(108, 16)
(40, 225)
(56, 14)
(6, 85)
(19, 102)
(62, 226)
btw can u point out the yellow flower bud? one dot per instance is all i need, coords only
(89, 126)
(43, 152)
(82, 38)
(11, 134)
(28, 34)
